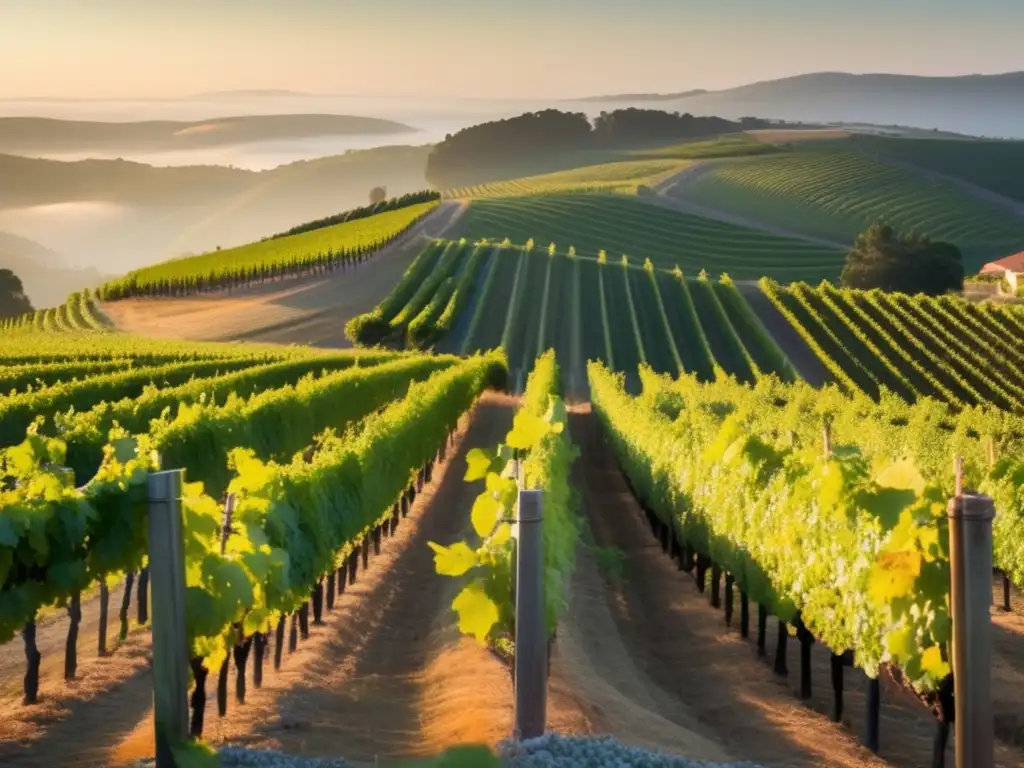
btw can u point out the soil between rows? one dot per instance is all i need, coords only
(685, 649)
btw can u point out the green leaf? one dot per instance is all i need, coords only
(484, 516)
(454, 560)
(477, 612)
(556, 412)
(125, 449)
(901, 643)
(478, 464)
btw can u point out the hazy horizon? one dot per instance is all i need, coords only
(118, 49)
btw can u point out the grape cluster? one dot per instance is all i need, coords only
(553, 750)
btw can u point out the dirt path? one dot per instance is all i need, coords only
(672, 195)
(387, 676)
(803, 358)
(592, 660)
(682, 643)
(75, 723)
(302, 310)
(1008, 665)
(51, 638)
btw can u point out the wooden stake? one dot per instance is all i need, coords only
(104, 608)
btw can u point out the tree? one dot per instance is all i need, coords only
(13, 301)
(378, 195)
(884, 258)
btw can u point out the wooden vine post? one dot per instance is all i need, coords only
(970, 568)
(170, 642)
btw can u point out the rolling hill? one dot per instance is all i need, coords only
(45, 276)
(827, 190)
(978, 105)
(123, 215)
(620, 224)
(19, 135)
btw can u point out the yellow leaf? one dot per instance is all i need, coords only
(478, 464)
(501, 534)
(893, 575)
(485, 514)
(454, 560)
(527, 430)
(477, 612)
(932, 663)
(902, 474)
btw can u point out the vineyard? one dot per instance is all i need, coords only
(842, 539)
(318, 451)
(528, 299)
(835, 193)
(995, 165)
(613, 177)
(315, 251)
(620, 224)
(945, 348)
(79, 313)
(700, 425)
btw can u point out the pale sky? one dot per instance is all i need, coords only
(452, 48)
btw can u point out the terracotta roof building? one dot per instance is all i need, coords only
(1011, 267)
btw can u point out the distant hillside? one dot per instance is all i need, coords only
(989, 105)
(120, 215)
(628, 97)
(19, 135)
(47, 281)
(245, 93)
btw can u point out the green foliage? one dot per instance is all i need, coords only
(316, 249)
(86, 432)
(56, 539)
(13, 301)
(276, 424)
(18, 411)
(623, 224)
(375, 326)
(953, 350)
(829, 190)
(853, 542)
(538, 439)
(883, 258)
(293, 520)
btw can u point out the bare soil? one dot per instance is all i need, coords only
(804, 360)
(683, 645)
(295, 310)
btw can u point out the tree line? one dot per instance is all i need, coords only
(511, 141)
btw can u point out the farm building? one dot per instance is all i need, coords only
(1011, 268)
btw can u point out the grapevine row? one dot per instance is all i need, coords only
(850, 555)
(316, 252)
